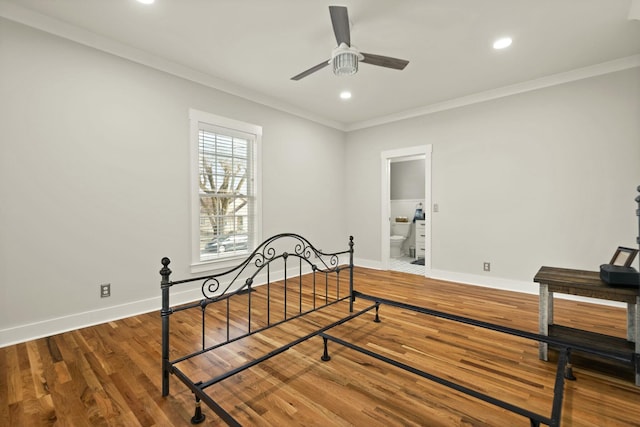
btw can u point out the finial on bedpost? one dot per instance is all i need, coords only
(351, 297)
(165, 283)
(351, 251)
(165, 271)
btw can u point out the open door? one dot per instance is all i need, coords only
(388, 157)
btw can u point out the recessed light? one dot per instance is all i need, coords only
(146, 1)
(345, 94)
(502, 43)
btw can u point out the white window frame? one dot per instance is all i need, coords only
(196, 118)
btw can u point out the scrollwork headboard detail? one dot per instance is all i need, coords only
(285, 246)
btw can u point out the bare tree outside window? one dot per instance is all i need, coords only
(223, 181)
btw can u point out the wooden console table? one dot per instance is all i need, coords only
(588, 284)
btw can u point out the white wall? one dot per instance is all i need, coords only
(406, 179)
(94, 158)
(546, 177)
(94, 179)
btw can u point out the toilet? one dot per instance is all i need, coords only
(399, 233)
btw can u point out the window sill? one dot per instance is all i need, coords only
(218, 264)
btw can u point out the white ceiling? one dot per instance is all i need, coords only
(253, 47)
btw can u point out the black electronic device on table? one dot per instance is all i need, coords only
(617, 275)
(619, 270)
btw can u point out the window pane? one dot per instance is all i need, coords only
(224, 167)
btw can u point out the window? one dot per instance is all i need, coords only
(225, 184)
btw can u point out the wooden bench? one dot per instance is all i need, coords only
(588, 284)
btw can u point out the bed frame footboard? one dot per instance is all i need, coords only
(305, 278)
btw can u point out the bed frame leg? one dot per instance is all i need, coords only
(198, 416)
(534, 423)
(377, 319)
(325, 355)
(568, 369)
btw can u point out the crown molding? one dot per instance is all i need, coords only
(56, 27)
(61, 29)
(543, 82)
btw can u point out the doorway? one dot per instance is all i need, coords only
(422, 152)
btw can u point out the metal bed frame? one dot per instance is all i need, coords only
(316, 275)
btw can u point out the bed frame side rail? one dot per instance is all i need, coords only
(563, 370)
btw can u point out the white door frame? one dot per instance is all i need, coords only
(385, 206)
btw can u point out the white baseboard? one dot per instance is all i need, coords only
(45, 328)
(527, 287)
(58, 325)
(511, 285)
(485, 281)
(367, 263)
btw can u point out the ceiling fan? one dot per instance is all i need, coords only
(345, 57)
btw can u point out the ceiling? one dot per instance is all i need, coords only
(253, 47)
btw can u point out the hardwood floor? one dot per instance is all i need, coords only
(109, 375)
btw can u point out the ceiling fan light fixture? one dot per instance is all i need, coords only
(345, 64)
(345, 60)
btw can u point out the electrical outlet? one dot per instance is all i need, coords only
(436, 208)
(487, 266)
(105, 290)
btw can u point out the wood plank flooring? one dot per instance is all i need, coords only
(109, 375)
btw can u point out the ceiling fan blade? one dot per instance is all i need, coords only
(340, 21)
(311, 70)
(384, 61)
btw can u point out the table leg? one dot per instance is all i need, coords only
(545, 316)
(631, 322)
(636, 337)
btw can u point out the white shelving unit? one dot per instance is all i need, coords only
(421, 233)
